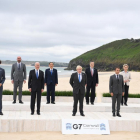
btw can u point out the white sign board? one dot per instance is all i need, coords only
(70, 126)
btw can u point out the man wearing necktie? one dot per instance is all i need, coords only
(18, 76)
(51, 80)
(92, 82)
(36, 87)
(2, 80)
(78, 82)
(116, 87)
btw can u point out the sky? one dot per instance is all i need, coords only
(60, 30)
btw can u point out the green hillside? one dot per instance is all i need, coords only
(110, 55)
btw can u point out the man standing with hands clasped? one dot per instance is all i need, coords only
(78, 82)
(116, 86)
(36, 87)
(92, 82)
(51, 80)
(18, 76)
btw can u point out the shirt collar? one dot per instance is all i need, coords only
(126, 72)
(19, 63)
(51, 69)
(79, 73)
(36, 70)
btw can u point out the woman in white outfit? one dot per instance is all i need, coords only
(126, 77)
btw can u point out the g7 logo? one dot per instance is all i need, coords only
(77, 126)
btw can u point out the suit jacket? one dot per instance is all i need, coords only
(18, 75)
(92, 80)
(51, 78)
(34, 83)
(2, 76)
(116, 86)
(74, 81)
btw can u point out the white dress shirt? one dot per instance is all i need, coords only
(92, 69)
(116, 76)
(37, 71)
(18, 64)
(80, 76)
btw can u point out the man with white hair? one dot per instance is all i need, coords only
(92, 82)
(78, 82)
(36, 87)
(18, 76)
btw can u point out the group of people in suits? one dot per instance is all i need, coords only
(80, 82)
(36, 84)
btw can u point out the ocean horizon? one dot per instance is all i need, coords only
(60, 70)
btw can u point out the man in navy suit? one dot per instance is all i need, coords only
(51, 80)
(2, 79)
(92, 82)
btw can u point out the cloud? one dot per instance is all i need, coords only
(61, 30)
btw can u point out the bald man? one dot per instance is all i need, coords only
(18, 76)
(36, 87)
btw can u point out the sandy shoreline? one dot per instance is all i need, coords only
(103, 87)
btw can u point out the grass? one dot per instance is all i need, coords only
(129, 95)
(110, 55)
(57, 93)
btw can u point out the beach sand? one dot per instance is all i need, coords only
(103, 87)
(59, 136)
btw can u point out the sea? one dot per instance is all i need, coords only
(60, 70)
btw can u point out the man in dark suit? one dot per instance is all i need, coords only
(2, 80)
(51, 80)
(92, 82)
(116, 87)
(78, 82)
(36, 86)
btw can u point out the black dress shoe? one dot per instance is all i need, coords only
(53, 102)
(122, 104)
(14, 101)
(32, 113)
(125, 104)
(1, 113)
(38, 113)
(87, 103)
(73, 114)
(20, 102)
(114, 115)
(118, 114)
(48, 103)
(82, 114)
(92, 103)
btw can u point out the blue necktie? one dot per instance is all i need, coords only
(37, 74)
(79, 78)
(51, 72)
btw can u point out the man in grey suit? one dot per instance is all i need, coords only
(78, 82)
(2, 79)
(18, 76)
(116, 86)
